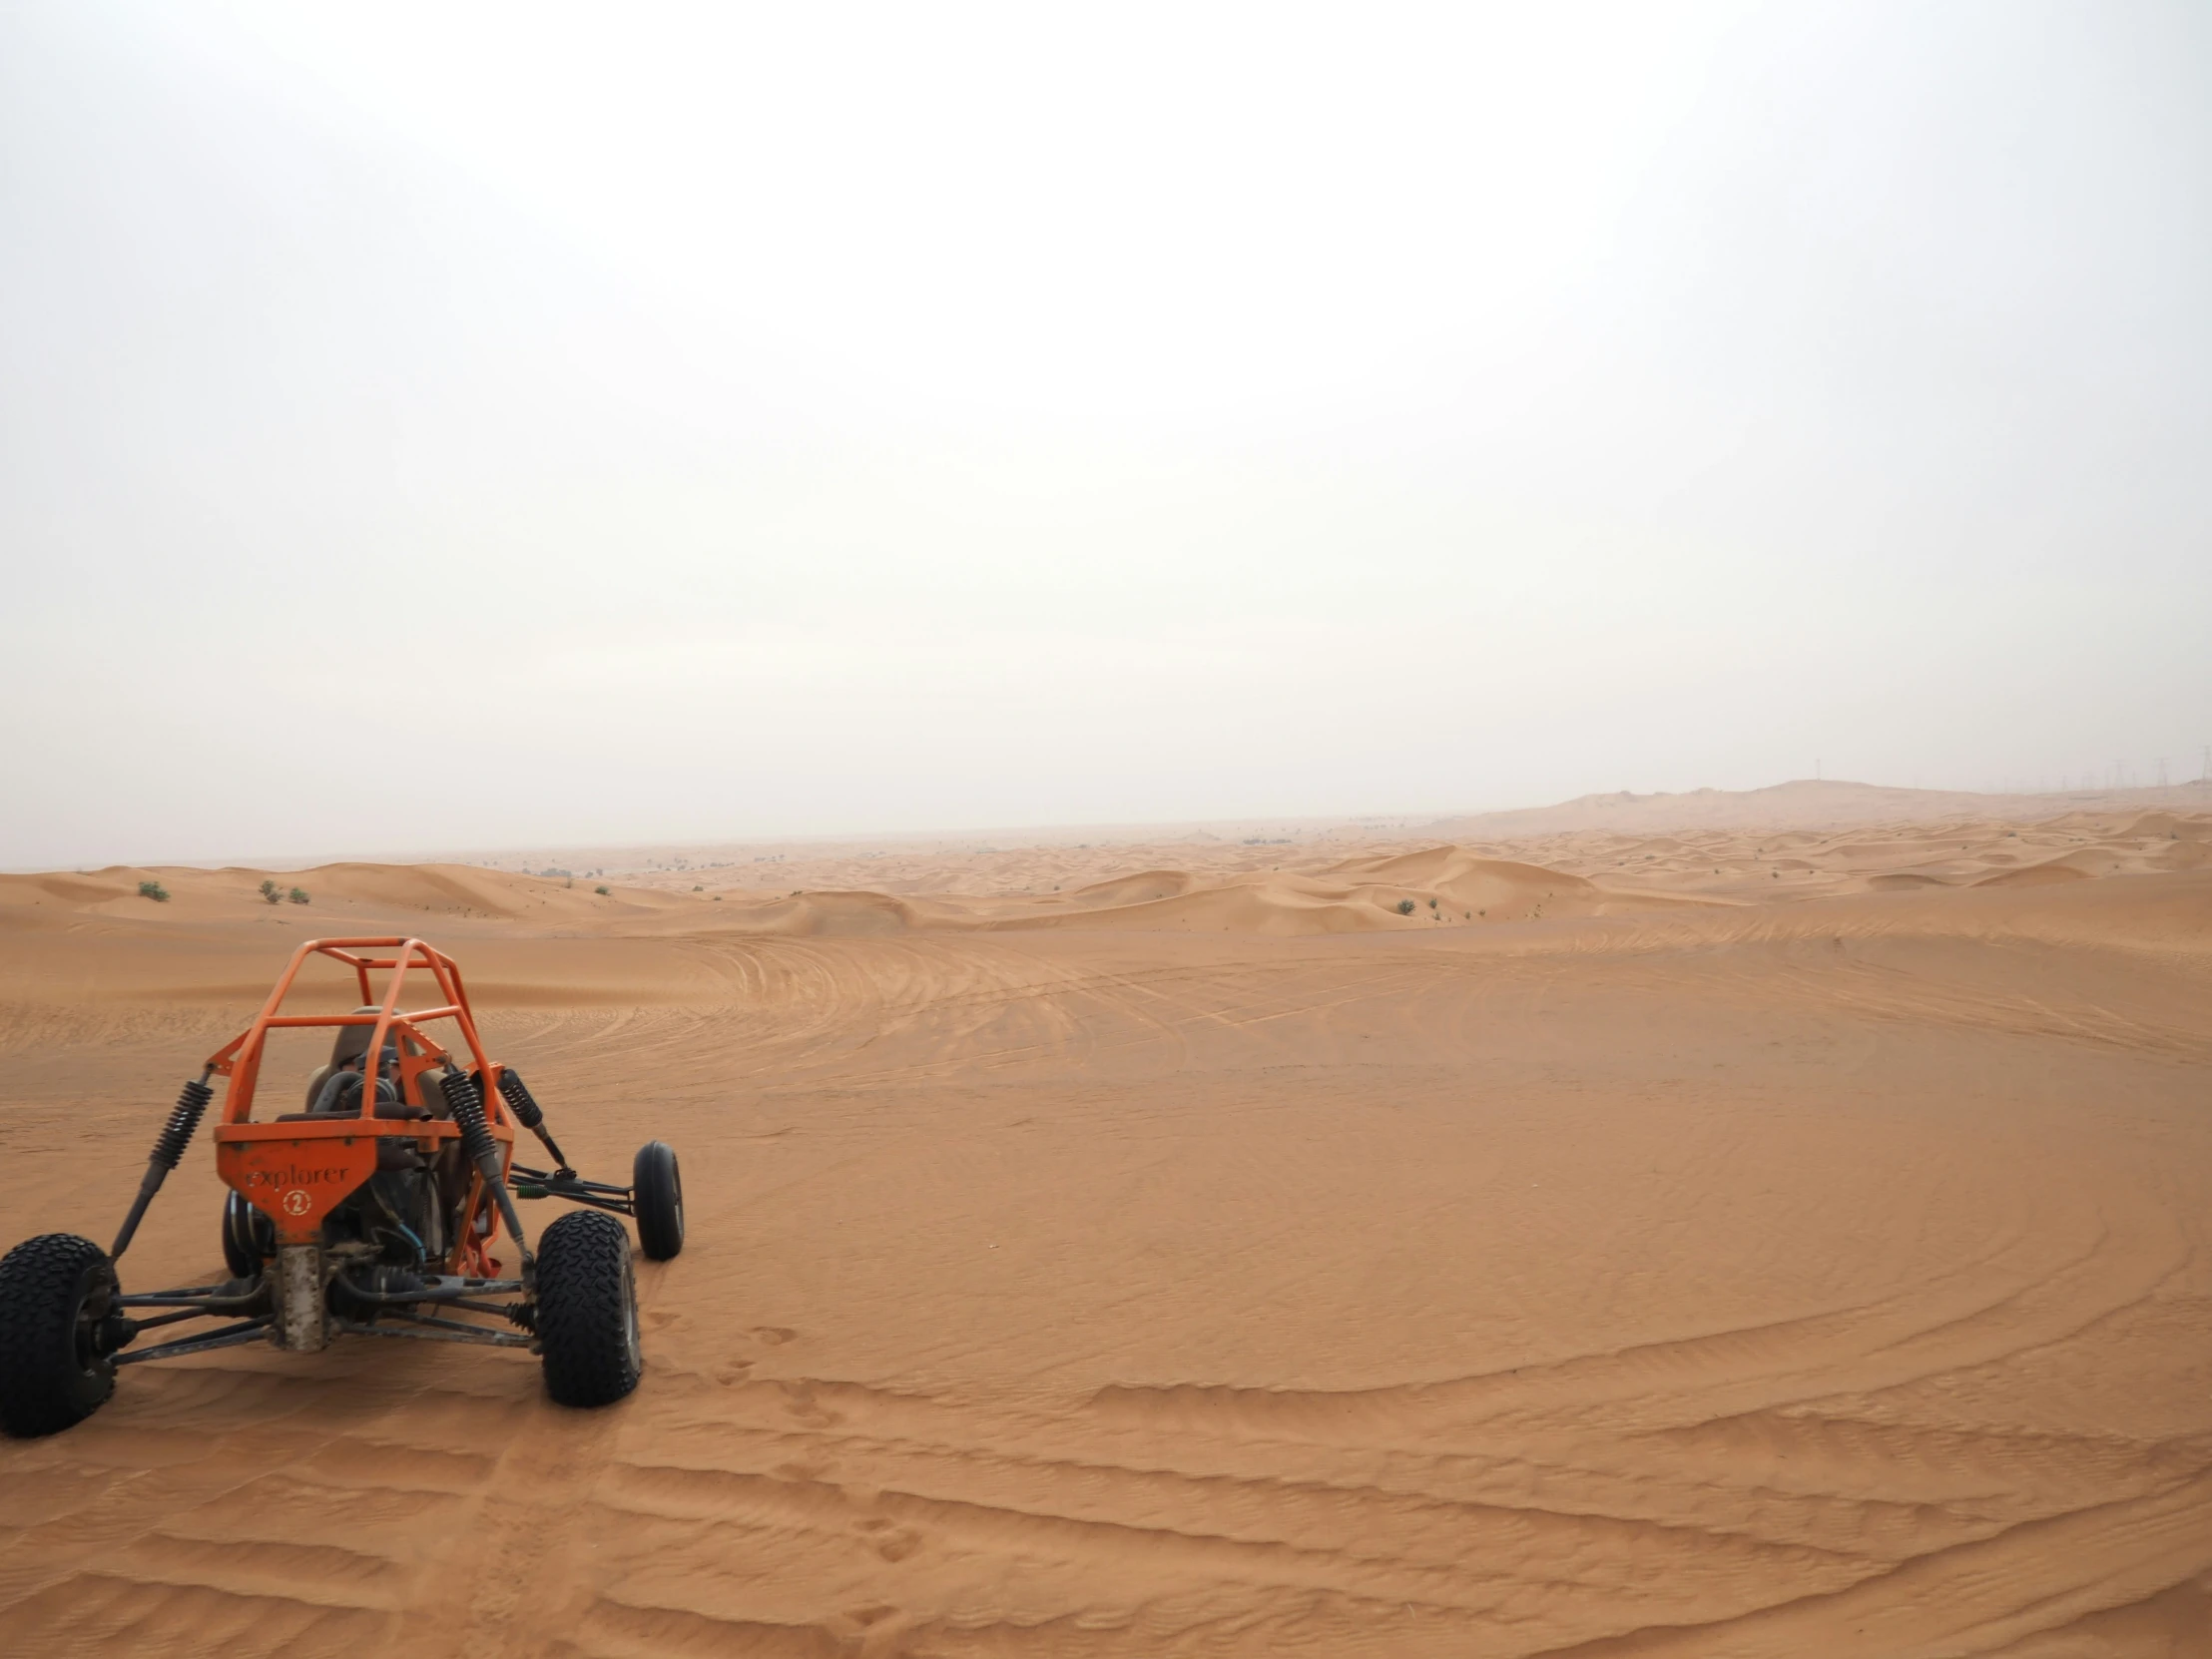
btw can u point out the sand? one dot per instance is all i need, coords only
(1728, 1242)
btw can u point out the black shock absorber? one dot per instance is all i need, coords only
(169, 1150)
(467, 1103)
(525, 1105)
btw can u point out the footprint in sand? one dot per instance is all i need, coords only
(800, 1402)
(896, 1546)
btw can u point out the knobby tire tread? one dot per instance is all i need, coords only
(657, 1199)
(585, 1291)
(43, 1389)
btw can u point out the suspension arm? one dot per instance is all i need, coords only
(229, 1337)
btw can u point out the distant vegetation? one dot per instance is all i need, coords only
(1405, 906)
(153, 890)
(298, 896)
(270, 894)
(601, 892)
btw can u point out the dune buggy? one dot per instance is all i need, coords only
(371, 1212)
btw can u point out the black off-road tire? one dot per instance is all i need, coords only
(248, 1237)
(54, 1290)
(657, 1199)
(588, 1310)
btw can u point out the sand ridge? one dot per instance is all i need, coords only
(1334, 885)
(1712, 1250)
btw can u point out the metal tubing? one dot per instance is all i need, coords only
(613, 1207)
(446, 1283)
(556, 1179)
(209, 1301)
(441, 1294)
(413, 1015)
(178, 1317)
(488, 1338)
(163, 1299)
(437, 1324)
(229, 1337)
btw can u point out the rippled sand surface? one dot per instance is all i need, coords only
(1672, 1270)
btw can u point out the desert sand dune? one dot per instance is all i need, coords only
(1811, 803)
(1777, 1247)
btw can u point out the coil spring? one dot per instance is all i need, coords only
(467, 1102)
(523, 1314)
(519, 1100)
(184, 1118)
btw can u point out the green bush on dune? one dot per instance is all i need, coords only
(153, 890)
(269, 893)
(298, 896)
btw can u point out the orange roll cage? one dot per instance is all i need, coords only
(296, 1171)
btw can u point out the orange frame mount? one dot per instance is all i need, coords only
(298, 1172)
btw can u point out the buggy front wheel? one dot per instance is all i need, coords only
(587, 1318)
(656, 1199)
(56, 1297)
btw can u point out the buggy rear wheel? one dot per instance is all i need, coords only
(587, 1320)
(56, 1292)
(656, 1199)
(248, 1237)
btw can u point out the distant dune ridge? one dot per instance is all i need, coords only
(1209, 884)
(1032, 858)
(340, 889)
(1401, 891)
(1807, 803)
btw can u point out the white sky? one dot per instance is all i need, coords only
(428, 426)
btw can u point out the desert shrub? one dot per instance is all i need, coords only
(298, 896)
(601, 892)
(1405, 906)
(269, 895)
(153, 890)
(1432, 904)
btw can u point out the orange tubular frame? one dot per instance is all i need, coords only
(298, 1172)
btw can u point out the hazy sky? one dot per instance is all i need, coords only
(434, 426)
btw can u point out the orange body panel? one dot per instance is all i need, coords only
(297, 1179)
